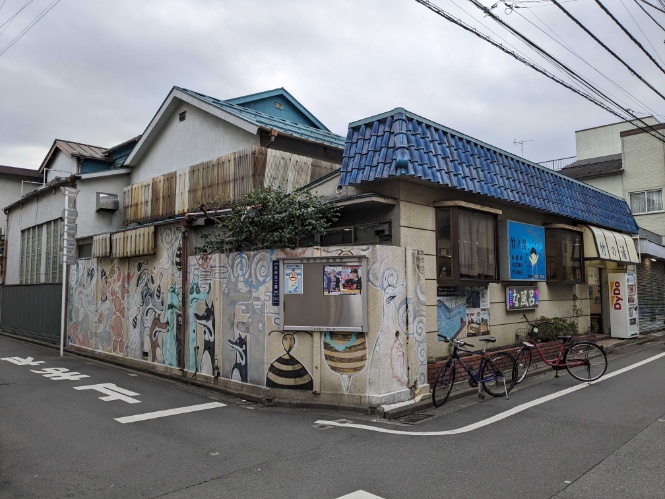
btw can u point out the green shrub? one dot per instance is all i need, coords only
(551, 327)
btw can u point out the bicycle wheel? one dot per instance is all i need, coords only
(523, 360)
(585, 361)
(498, 368)
(443, 384)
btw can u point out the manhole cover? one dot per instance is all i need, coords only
(415, 418)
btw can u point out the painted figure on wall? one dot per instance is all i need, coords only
(288, 372)
(239, 368)
(207, 321)
(346, 354)
(196, 295)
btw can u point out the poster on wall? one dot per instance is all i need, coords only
(293, 278)
(338, 280)
(526, 252)
(462, 311)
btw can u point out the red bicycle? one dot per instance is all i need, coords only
(584, 360)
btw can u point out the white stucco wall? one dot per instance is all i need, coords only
(201, 137)
(603, 140)
(62, 166)
(608, 183)
(10, 191)
(644, 165)
(89, 220)
(34, 211)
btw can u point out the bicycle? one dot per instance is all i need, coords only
(496, 373)
(584, 360)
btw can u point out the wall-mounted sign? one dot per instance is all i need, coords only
(526, 251)
(521, 297)
(275, 283)
(293, 284)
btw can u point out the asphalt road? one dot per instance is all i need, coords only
(59, 438)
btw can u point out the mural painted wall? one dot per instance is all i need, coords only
(132, 308)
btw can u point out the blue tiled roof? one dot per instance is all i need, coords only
(402, 143)
(265, 120)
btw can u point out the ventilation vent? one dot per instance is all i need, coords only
(182, 116)
(279, 105)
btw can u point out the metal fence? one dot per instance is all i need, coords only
(32, 310)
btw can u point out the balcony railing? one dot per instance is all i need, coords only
(557, 164)
(227, 178)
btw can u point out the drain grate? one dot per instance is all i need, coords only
(415, 418)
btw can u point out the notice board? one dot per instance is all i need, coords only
(323, 293)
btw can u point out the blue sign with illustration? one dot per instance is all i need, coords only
(526, 250)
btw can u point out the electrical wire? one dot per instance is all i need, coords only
(647, 13)
(9, 21)
(629, 35)
(27, 28)
(603, 105)
(653, 6)
(567, 47)
(586, 30)
(642, 31)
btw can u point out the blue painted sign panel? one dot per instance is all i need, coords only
(526, 250)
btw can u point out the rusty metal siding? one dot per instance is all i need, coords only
(47, 298)
(225, 179)
(101, 245)
(135, 242)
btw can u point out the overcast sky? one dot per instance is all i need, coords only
(96, 71)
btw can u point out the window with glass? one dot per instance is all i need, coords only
(565, 255)
(40, 262)
(646, 201)
(466, 245)
(372, 233)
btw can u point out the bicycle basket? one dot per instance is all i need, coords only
(521, 336)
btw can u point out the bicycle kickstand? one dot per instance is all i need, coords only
(481, 395)
(505, 388)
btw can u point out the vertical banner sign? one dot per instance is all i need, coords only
(275, 283)
(69, 215)
(526, 250)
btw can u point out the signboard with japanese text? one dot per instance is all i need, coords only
(525, 253)
(462, 311)
(521, 297)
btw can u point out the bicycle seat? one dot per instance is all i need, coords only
(565, 339)
(488, 339)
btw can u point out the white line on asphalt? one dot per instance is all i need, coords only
(169, 412)
(498, 417)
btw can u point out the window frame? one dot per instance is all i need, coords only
(451, 255)
(646, 205)
(558, 233)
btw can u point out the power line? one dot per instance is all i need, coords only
(629, 35)
(563, 44)
(653, 6)
(9, 21)
(586, 30)
(590, 98)
(26, 29)
(647, 13)
(641, 30)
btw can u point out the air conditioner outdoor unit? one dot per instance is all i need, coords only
(107, 202)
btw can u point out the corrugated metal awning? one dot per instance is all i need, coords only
(603, 244)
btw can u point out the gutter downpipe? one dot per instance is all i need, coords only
(184, 224)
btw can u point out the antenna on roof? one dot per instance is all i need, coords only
(521, 144)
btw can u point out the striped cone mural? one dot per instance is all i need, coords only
(346, 354)
(287, 371)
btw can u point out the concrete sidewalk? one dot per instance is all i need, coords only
(610, 345)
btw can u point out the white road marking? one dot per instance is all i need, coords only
(169, 412)
(497, 417)
(359, 494)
